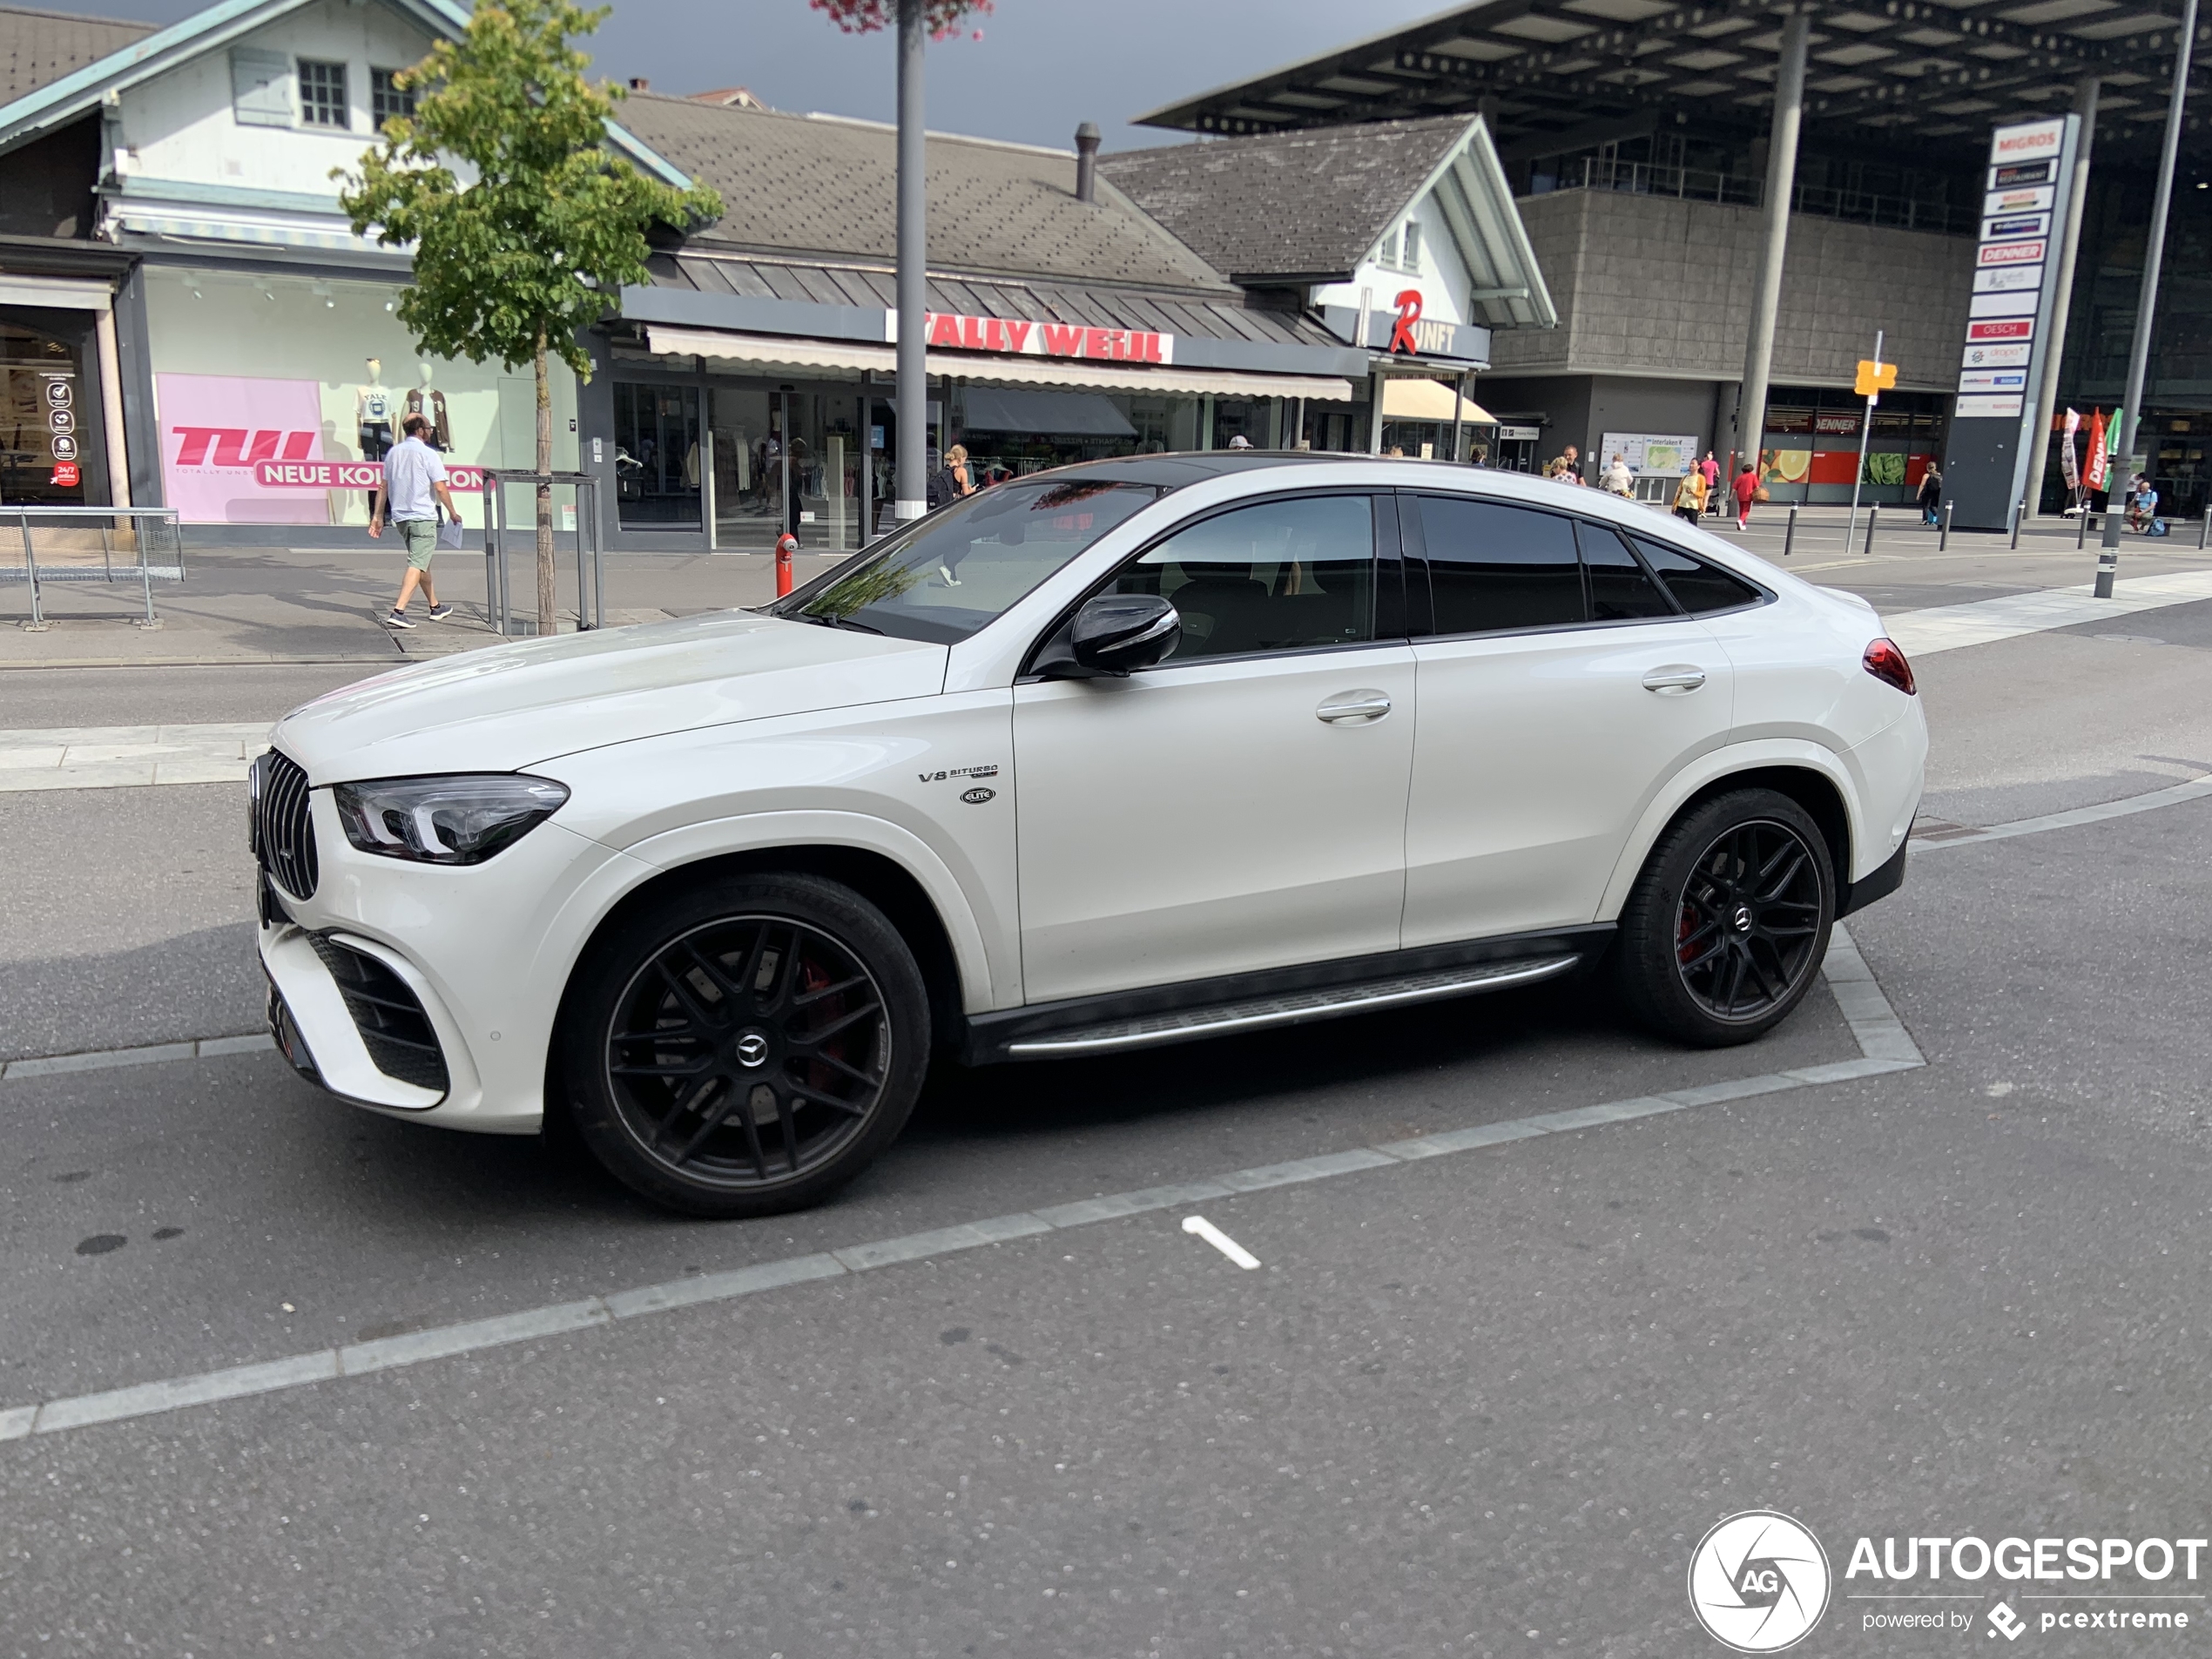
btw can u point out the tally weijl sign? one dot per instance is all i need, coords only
(1018, 336)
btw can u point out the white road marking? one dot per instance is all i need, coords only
(1885, 1047)
(2195, 789)
(1220, 1240)
(122, 757)
(1983, 622)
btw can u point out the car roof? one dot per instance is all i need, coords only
(1175, 469)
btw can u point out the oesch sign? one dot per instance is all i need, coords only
(1017, 336)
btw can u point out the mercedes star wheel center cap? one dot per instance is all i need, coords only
(752, 1049)
(1742, 919)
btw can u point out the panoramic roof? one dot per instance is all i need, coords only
(1906, 69)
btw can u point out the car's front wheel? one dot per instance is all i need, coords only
(748, 1045)
(1728, 920)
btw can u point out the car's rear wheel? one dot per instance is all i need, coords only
(1728, 921)
(745, 1046)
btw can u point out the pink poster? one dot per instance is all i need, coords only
(217, 430)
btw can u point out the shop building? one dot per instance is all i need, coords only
(1077, 309)
(173, 250)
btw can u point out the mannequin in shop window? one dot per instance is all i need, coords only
(431, 404)
(373, 412)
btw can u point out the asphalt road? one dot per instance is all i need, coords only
(1477, 1403)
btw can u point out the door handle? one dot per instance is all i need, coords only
(1361, 707)
(1676, 677)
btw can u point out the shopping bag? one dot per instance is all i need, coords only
(1760, 496)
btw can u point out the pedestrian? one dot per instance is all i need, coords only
(2146, 518)
(1709, 470)
(1566, 467)
(413, 491)
(1747, 487)
(1931, 497)
(1690, 494)
(1617, 479)
(1240, 442)
(951, 481)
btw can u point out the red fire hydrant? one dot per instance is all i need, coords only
(786, 544)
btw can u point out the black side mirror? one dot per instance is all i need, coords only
(1116, 633)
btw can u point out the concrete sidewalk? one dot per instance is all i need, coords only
(318, 606)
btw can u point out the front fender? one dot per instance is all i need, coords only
(1840, 770)
(988, 979)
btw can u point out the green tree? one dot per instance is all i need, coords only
(524, 224)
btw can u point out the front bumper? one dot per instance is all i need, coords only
(432, 992)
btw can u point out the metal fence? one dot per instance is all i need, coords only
(1695, 184)
(590, 581)
(153, 550)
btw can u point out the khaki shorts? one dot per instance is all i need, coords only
(421, 536)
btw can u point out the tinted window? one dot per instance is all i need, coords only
(1697, 587)
(1620, 590)
(1493, 567)
(1277, 576)
(964, 566)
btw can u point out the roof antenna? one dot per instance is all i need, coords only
(1087, 162)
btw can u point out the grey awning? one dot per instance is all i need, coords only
(1072, 414)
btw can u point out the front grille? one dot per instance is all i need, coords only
(283, 836)
(394, 1027)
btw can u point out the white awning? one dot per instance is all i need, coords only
(779, 351)
(220, 225)
(1406, 399)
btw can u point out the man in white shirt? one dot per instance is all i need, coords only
(412, 490)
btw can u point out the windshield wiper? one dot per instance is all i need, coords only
(824, 620)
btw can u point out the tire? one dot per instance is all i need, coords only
(746, 1046)
(1728, 922)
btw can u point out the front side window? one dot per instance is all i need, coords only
(322, 94)
(387, 97)
(1278, 575)
(1492, 568)
(964, 567)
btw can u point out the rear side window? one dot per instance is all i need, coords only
(1620, 589)
(1697, 587)
(1493, 567)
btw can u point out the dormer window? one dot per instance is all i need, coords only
(322, 95)
(387, 97)
(1409, 258)
(1388, 252)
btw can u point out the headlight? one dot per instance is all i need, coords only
(445, 820)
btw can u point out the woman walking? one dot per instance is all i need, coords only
(1747, 488)
(1931, 497)
(1690, 496)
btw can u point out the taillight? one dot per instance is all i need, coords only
(1887, 663)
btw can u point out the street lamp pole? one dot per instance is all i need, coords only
(2131, 413)
(912, 486)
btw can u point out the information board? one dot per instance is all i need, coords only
(2008, 319)
(1662, 454)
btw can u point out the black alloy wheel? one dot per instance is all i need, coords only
(1728, 921)
(750, 1060)
(1749, 912)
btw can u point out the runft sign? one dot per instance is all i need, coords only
(2031, 175)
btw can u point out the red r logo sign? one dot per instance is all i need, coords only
(1409, 312)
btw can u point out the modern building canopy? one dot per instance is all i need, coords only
(1897, 71)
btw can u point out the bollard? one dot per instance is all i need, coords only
(1790, 533)
(1943, 537)
(2203, 528)
(786, 544)
(1873, 512)
(2081, 531)
(2019, 517)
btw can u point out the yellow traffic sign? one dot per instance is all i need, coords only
(1874, 377)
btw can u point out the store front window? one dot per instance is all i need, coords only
(51, 448)
(657, 459)
(278, 394)
(1012, 431)
(1811, 451)
(787, 459)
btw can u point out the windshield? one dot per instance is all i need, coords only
(962, 567)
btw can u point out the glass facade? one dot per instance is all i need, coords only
(1812, 448)
(52, 447)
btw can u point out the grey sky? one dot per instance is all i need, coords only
(1041, 66)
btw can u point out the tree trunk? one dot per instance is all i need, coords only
(548, 620)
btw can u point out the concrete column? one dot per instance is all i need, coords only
(1376, 382)
(2046, 393)
(1781, 175)
(118, 459)
(912, 489)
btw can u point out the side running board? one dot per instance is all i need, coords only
(1293, 1009)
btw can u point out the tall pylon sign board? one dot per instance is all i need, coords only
(2008, 319)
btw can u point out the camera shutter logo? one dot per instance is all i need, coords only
(1758, 1581)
